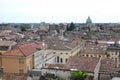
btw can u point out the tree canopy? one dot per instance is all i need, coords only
(71, 27)
(79, 75)
(57, 29)
(23, 28)
(58, 78)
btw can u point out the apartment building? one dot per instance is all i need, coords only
(43, 57)
(63, 49)
(113, 51)
(94, 50)
(75, 63)
(26, 56)
(19, 59)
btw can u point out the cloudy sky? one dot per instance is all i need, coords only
(56, 11)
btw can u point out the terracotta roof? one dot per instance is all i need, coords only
(107, 65)
(93, 48)
(56, 44)
(6, 43)
(24, 50)
(87, 64)
(3, 34)
(82, 63)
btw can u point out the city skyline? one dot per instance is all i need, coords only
(57, 11)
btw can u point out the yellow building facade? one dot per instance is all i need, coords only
(63, 55)
(13, 64)
(19, 59)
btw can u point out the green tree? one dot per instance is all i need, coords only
(57, 29)
(58, 78)
(79, 75)
(71, 27)
(10, 78)
(23, 28)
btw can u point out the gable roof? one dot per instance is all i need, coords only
(24, 50)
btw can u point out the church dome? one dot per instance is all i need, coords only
(88, 20)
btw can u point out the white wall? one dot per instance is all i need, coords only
(61, 73)
(96, 71)
(38, 59)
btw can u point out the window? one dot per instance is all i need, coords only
(115, 60)
(87, 55)
(99, 55)
(115, 53)
(21, 61)
(119, 65)
(21, 71)
(66, 53)
(91, 55)
(61, 60)
(61, 53)
(57, 59)
(66, 60)
(54, 52)
(49, 75)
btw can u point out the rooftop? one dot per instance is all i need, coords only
(82, 63)
(94, 48)
(24, 50)
(107, 65)
(56, 44)
(114, 47)
(6, 43)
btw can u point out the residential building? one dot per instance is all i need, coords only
(96, 68)
(65, 48)
(6, 45)
(49, 57)
(19, 59)
(107, 69)
(51, 73)
(90, 65)
(38, 59)
(94, 49)
(113, 51)
(75, 63)
(43, 57)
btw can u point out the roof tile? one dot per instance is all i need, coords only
(24, 49)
